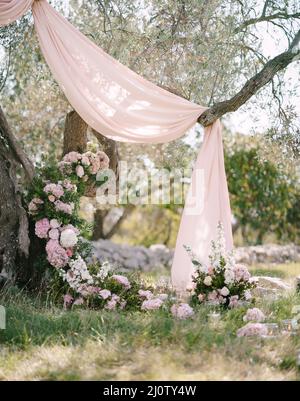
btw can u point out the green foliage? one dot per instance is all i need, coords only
(264, 197)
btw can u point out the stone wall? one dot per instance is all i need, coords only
(157, 256)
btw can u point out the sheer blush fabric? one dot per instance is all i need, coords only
(123, 106)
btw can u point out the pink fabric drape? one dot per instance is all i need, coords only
(11, 10)
(122, 105)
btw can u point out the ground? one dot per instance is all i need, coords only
(42, 342)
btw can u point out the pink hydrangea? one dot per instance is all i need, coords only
(254, 315)
(92, 290)
(253, 329)
(112, 303)
(104, 294)
(241, 273)
(64, 207)
(42, 227)
(54, 189)
(182, 311)
(122, 280)
(65, 167)
(56, 255)
(152, 304)
(145, 294)
(72, 157)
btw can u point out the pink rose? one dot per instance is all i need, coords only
(72, 157)
(201, 297)
(51, 198)
(224, 291)
(69, 252)
(54, 233)
(54, 223)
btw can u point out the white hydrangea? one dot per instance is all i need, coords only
(229, 276)
(68, 238)
(104, 270)
(78, 274)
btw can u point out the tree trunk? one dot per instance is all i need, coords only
(14, 238)
(111, 149)
(75, 133)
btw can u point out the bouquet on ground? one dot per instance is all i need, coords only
(222, 281)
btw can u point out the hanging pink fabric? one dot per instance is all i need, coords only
(122, 105)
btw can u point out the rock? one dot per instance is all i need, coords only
(133, 257)
(273, 283)
(270, 253)
(158, 255)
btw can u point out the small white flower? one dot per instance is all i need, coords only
(247, 295)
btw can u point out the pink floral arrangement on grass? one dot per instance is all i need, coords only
(221, 282)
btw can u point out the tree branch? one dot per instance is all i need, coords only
(15, 147)
(265, 18)
(255, 83)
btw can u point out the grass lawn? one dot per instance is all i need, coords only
(42, 342)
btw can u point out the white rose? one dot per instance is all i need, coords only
(79, 171)
(224, 291)
(207, 281)
(68, 238)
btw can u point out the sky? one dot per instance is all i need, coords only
(243, 120)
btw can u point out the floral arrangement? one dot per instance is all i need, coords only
(53, 204)
(222, 281)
